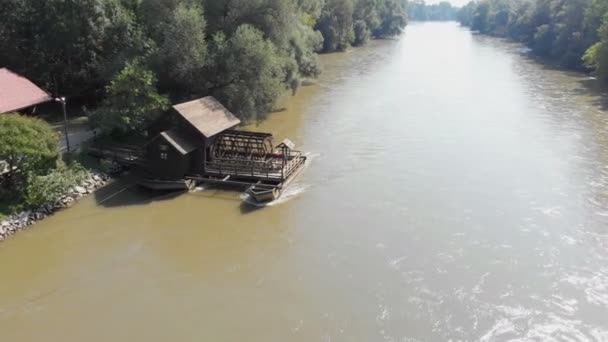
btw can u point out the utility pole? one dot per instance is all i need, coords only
(65, 122)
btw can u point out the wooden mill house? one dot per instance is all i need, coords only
(204, 147)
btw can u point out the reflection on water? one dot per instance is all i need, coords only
(459, 191)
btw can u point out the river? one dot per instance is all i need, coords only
(458, 189)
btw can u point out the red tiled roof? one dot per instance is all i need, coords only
(18, 92)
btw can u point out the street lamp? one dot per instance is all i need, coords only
(65, 121)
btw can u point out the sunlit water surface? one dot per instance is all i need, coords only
(458, 190)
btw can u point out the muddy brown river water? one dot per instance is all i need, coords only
(458, 190)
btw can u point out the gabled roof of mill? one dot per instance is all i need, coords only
(181, 143)
(207, 115)
(287, 143)
(17, 92)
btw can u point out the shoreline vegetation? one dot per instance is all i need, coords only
(126, 60)
(87, 184)
(571, 34)
(123, 62)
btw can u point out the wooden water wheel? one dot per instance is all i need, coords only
(240, 144)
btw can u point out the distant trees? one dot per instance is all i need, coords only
(354, 22)
(572, 32)
(443, 11)
(596, 57)
(94, 50)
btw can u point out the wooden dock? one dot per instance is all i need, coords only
(123, 155)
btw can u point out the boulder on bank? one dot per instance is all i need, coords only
(26, 218)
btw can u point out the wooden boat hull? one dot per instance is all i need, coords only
(166, 185)
(264, 194)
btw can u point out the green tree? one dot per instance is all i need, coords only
(565, 31)
(362, 33)
(131, 104)
(56, 43)
(596, 56)
(182, 54)
(467, 13)
(336, 24)
(393, 17)
(367, 12)
(248, 72)
(274, 18)
(28, 146)
(124, 39)
(480, 17)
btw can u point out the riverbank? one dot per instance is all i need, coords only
(24, 219)
(570, 36)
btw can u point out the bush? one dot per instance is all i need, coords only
(47, 189)
(27, 146)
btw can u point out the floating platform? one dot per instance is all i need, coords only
(259, 183)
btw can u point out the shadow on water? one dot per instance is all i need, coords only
(597, 89)
(248, 208)
(588, 85)
(125, 192)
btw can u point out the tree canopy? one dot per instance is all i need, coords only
(572, 32)
(85, 49)
(253, 72)
(131, 103)
(27, 145)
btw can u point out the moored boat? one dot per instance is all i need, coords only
(264, 193)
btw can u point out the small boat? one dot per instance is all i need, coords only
(158, 184)
(263, 193)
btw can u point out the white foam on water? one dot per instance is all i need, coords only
(602, 213)
(395, 262)
(568, 306)
(478, 287)
(569, 240)
(502, 327)
(595, 286)
(550, 211)
(199, 188)
(293, 190)
(384, 314)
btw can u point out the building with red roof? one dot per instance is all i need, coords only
(17, 92)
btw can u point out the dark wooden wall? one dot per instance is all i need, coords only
(176, 166)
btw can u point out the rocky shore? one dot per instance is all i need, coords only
(22, 220)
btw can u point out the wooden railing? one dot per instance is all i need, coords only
(126, 156)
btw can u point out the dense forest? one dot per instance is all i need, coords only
(128, 59)
(574, 33)
(421, 11)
